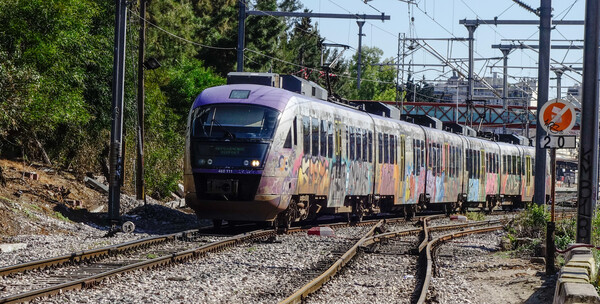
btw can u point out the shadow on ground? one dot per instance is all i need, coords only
(149, 218)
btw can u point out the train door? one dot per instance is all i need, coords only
(338, 182)
(528, 175)
(402, 169)
(482, 174)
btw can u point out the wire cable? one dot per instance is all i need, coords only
(184, 39)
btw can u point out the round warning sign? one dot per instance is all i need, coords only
(557, 117)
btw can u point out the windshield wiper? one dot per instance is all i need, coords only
(228, 133)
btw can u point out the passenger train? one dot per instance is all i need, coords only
(265, 154)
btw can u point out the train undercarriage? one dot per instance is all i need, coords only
(309, 207)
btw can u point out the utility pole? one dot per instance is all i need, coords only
(587, 188)
(471, 27)
(358, 65)
(116, 135)
(241, 34)
(543, 84)
(505, 52)
(139, 173)
(398, 70)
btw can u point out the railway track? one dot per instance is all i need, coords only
(369, 241)
(88, 268)
(65, 272)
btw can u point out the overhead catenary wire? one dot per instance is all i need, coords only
(253, 51)
(184, 39)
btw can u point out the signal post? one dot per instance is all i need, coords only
(557, 119)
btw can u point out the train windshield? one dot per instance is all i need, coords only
(239, 121)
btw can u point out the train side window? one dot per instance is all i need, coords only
(434, 159)
(460, 164)
(474, 160)
(365, 146)
(370, 146)
(347, 143)
(330, 140)
(415, 156)
(386, 149)
(315, 136)
(288, 140)
(478, 164)
(380, 146)
(423, 158)
(519, 166)
(457, 162)
(295, 130)
(306, 134)
(513, 164)
(402, 157)
(438, 159)
(392, 149)
(429, 157)
(468, 162)
(323, 138)
(358, 136)
(495, 157)
(503, 164)
(352, 144)
(452, 162)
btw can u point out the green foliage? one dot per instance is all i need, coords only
(56, 70)
(528, 229)
(475, 216)
(565, 233)
(61, 217)
(535, 217)
(151, 256)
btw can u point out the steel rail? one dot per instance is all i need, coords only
(160, 261)
(436, 242)
(319, 281)
(301, 294)
(104, 252)
(156, 262)
(86, 255)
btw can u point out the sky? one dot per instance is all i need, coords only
(440, 19)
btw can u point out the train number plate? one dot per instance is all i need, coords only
(222, 186)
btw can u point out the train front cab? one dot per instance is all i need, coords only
(226, 152)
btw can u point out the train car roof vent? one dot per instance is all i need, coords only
(488, 135)
(423, 120)
(379, 108)
(266, 79)
(459, 129)
(303, 86)
(514, 139)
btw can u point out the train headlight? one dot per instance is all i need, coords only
(255, 163)
(209, 161)
(201, 161)
(246, 163)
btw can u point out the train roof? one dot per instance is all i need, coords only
(245, 93)
(278, 99)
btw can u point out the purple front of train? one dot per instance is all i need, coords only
(231, 130)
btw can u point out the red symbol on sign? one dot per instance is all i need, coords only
(558, 117)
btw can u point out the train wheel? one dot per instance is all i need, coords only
(287, 217)
(409, 212)
(359, 211)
